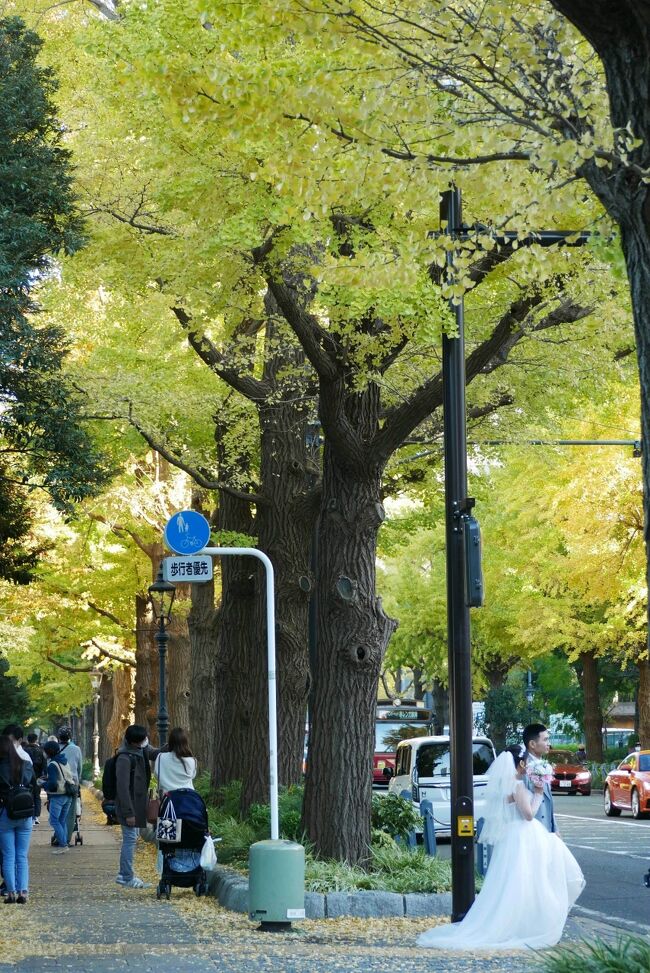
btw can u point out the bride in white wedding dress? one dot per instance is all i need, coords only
(532, 880)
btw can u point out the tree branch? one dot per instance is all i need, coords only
(320, 347)
(120, 531)
(408, 156)
(106, 614)
(248, 386)
(130, 663)
(191, 471)
(403, 419)
(62, 665)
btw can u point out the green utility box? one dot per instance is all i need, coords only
(276, 883)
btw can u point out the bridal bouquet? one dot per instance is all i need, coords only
(539, 771)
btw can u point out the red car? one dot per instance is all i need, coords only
(569, 775)
(627, 788)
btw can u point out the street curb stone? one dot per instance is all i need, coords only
(231, 890)
(232, 893)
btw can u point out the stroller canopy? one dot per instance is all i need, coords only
(188, 805)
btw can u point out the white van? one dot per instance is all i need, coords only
(422, 772)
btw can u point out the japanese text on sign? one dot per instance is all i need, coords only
(187, 569)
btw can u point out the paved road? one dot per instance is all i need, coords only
(614, 854)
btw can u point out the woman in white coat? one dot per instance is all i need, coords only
(175, 767)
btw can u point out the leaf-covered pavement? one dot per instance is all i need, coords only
(79, 919)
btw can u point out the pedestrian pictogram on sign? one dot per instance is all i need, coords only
(187, 532)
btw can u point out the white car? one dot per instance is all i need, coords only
(422, 772)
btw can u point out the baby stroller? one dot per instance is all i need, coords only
(182, 811)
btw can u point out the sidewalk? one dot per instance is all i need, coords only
(78, 919)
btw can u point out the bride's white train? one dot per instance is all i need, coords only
(532, 881)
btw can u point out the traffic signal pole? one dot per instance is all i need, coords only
(457, 506)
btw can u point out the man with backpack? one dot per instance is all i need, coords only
(62, 790)
(75, 760)
(132, 769)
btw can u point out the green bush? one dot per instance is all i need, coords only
(390, 868)
(87, 769)
(629, 954)
(394, 815)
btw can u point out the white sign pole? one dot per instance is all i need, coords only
(270, 630)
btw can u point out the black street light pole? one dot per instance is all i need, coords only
(464, 578)
(161, 596)
(458, 625)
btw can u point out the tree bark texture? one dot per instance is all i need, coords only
(440, 707)
(146, 668)
(115, 710)
(179, 666)
(593, 711)
(231, 708)
(353, 634)
(644, 702)
(202, 629)
(284, 534)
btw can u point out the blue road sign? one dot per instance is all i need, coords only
(187, 532)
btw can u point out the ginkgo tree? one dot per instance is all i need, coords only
(196, 138)
(341, 245)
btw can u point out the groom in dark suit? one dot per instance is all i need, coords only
(537, 742)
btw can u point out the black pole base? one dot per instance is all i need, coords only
(274, 927)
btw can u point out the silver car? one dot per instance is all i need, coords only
(422, 772)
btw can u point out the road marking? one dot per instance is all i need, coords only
(619, 824)
(604, 851)
(609, 919)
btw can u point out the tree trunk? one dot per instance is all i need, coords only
(418, 683)
(146, 668)
(353, 633)
(178, 668)
(644, 702)
(593, 711)
(440, 694)
(237, 645)
(284, 533)
(115, 710)
(202, 627)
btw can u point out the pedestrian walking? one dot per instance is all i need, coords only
(16, 778)
(75, 761)
(175, 765)
(132, 776)
(39, 763)
(15, 733)
(58, 783)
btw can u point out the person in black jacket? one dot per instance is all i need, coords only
(39, 763)
(15, 835)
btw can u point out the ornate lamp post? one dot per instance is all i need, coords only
(161, 596)
(96, 676)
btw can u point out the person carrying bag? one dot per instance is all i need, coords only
(16, 820)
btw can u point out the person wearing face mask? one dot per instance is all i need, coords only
(132, 775)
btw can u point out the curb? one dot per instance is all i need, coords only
(231, 890)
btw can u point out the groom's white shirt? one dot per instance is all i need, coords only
(545, 812)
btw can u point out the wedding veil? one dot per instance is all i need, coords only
(501, 783)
